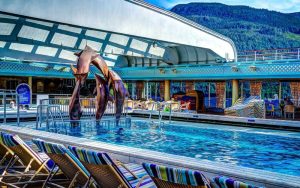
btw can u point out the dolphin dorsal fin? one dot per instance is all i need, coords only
(74, 70)
(78, 54)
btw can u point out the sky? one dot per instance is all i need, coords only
(286, 6)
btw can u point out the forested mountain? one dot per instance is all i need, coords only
(249, 28)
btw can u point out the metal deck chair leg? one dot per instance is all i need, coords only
(88, 182)
(7, 167)
(4, 158)
(74, 179)
(49, 176)
(29, 165)
(38, 171)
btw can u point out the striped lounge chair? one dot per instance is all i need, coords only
(5, 153)
(224, 182)
(67, 163)
(112, 174)
(166, 177)
(35, 167)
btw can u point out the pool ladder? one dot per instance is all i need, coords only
(160, 114)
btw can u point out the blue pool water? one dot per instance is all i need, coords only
(276, 151)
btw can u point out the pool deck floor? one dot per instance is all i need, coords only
(138, 156)
(240, 121)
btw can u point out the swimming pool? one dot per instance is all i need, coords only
(276, 151)
(271, 150)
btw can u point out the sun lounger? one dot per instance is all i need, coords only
(5, 153)
(224, 182)
(35, 167)
(166, 177)
(67, 163)
(111, 174)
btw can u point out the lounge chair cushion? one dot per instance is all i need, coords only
(224, 182)
(91, 157)
(53, 148)
(140, 172)
(99, 158)
(8, 140)
(11, 140)
(176, 175)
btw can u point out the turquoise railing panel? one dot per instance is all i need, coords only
(41, 69)
(258, 70)
(247, 70)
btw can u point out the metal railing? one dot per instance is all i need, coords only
(57, 109)
(9, 95)
(273, 54)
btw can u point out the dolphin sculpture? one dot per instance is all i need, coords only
(88, 56)
(83, 63)
(75, 111)
(102, 96)
(120, 92)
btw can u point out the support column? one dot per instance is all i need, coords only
(235, 91)
(167, 90)
(280, 95)
(30, 81)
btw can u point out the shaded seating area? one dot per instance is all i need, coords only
(251, 107)
(87, 168)
(289, 110)
(192, 100)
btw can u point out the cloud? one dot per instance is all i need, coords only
(286, 6)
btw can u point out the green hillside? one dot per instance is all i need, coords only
(249, 28)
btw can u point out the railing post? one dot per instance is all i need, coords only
(298, 53)
(18, 109)
(209, 94)
(4, 110)
(276, 54)
(254, 55)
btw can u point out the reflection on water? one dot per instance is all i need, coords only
(255, 148)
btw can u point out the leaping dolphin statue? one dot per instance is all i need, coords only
(75, 111)
(88, 56)
(102, 96)
(83, 63)
(120, 92)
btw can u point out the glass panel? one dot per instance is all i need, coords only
(69, 28)
(154, 91)
(33, 33)
(285, 90)
(93, 44)
(6, 28)
(21, 47)
(204, 87)
(96, 34)
(228, 93)
(245, 89)
(65, 54)
(270, 90)
(49, 51)
(65, 40)
(175, 87)
(213, 95)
